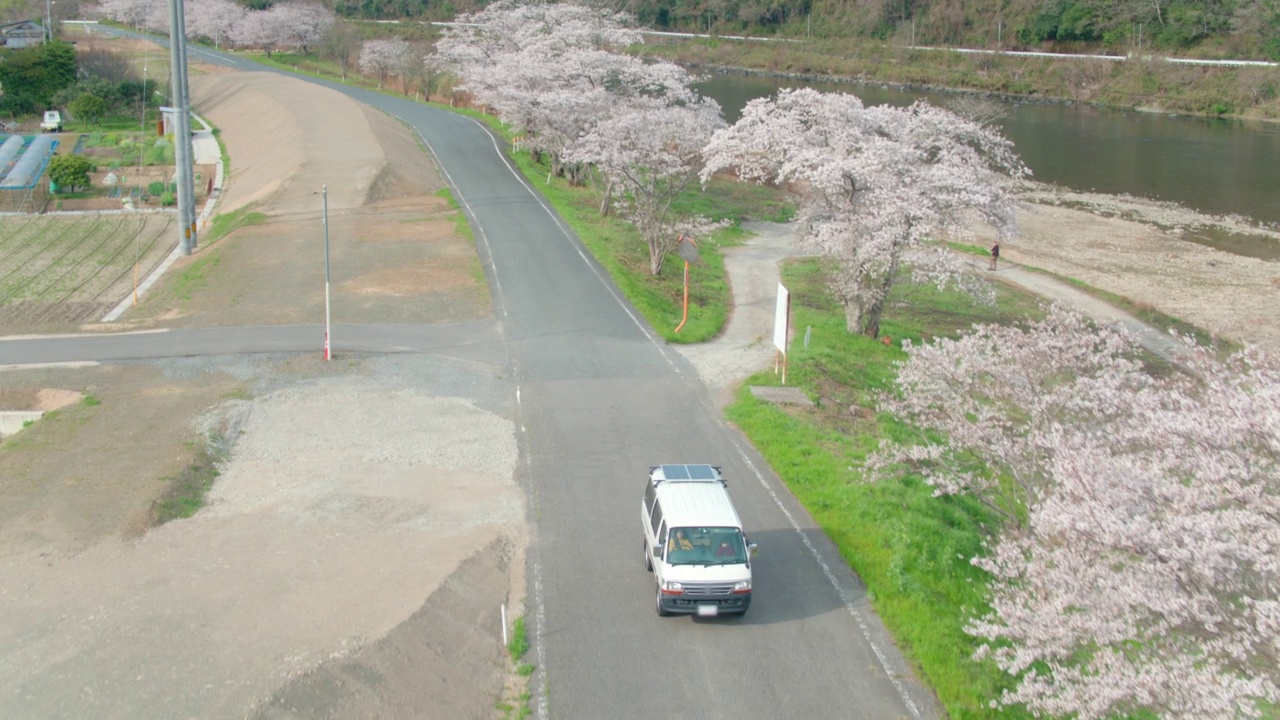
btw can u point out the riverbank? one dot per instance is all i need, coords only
(1156, 256)
(1149, 84)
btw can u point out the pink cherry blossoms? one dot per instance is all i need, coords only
(878, 185)
(1140, 568)
(559, 73)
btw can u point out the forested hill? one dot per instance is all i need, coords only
(1210, 28)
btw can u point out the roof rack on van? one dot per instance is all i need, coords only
(686, 473)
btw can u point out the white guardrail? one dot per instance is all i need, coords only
(968, 51)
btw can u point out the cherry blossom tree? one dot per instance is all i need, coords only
(1144, 572)
(295, 25)
(879, 185)
(1151, 580)
(996, 394)
(650, 151)
(384, 57)
(254, 30)
(133, 13)
(212, 19)
(553, 70)
(305, 24)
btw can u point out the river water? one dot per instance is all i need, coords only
(1213, 166)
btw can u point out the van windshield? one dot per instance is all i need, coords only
(706, 546)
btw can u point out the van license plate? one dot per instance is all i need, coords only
(708, 611)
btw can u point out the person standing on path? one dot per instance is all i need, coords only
(995, 254)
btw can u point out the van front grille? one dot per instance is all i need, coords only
(699, 590)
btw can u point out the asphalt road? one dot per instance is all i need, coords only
(600, 400)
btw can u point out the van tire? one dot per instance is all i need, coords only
(662, 611)
(648, 561)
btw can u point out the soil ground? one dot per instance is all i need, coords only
(366, 527)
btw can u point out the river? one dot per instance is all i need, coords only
(1212, 166)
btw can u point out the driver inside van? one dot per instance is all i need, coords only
(679, 542)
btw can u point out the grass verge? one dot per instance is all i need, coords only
(623, 253)
(226, 223)
(185, 491)
(517, 646)
(911, 549)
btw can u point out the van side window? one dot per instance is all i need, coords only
(657, 517)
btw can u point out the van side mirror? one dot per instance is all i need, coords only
(753, 548)
(657, 551)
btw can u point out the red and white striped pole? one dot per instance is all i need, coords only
(324, 193)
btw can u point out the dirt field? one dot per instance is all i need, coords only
(366, 528)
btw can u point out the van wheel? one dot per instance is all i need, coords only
(648, 561)
(662, 611)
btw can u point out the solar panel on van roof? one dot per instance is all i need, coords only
(688, 472)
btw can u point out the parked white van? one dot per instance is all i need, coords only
(693, 542)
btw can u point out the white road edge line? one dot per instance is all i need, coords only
(153, 331)
(453, 188)
(539, 614)
(568, 235)
(38, 366)
(844, 597)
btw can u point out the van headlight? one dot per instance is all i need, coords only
(742, 587)
(670, 586)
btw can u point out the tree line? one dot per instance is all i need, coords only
(1236, 27)
(1136, 570)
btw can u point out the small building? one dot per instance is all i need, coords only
(23, 33)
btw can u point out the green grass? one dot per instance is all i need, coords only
(460, 224)
(185, 491)
(224, 224)
(910, 548)
(621, 251)
(517, 646)
(90, 401)
(193, 277)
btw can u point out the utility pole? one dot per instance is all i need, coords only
(188, 169)
(182, 131)
(48, 20)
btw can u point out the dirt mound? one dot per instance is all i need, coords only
(269, 150)
(292, 138)
(400, 177)
(393, 251)
(444, 661)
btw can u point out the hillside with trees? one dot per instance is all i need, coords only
(1220, 28)
(1236, 28)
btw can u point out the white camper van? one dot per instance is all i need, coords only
(693, 542)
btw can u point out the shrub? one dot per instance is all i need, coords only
(70, 171)
(88, 107)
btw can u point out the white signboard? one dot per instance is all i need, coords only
(780, 317)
